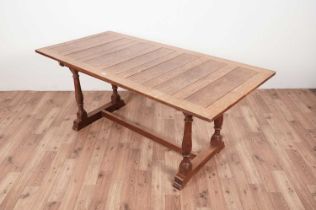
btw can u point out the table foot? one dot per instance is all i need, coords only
(198, 161)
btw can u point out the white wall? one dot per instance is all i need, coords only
(275, 34)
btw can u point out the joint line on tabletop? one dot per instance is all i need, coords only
(231, 91)
(94, 46)
(160, 64)
(108, 53)
(137, 57)
(211, 83)
(233, 68)
(183, 72)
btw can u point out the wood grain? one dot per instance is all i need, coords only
(268, 162)
(185, 80)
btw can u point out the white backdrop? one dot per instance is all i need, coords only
(274, 34)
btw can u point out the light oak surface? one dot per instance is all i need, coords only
(268, 163)
(199, 84)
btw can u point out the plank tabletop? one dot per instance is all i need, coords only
(202, 85)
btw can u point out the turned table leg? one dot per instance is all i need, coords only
(116, 100)
(81, 114)
(84, 118)
(216, 138)
(185, 166)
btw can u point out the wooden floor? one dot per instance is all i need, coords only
(269, 161)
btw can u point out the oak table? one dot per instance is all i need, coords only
(199, 85)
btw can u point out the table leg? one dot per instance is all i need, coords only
(216, 138)
(81, 114)
(84, 118)
(185, 166)
(191, 165)
(116, 100)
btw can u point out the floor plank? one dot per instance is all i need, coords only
(268, 162)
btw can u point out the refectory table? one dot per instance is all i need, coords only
(199, 85)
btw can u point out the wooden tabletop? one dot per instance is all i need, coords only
(199, 84)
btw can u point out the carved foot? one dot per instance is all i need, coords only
(216, 140)
(178, 182)
(79, 124)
